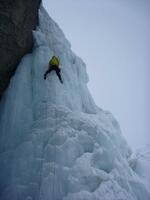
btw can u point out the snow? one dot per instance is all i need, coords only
(55, 143)
(142, 164)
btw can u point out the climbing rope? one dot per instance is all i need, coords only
(52, 186)
(56, 126)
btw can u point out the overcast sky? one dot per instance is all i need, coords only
(113, 38)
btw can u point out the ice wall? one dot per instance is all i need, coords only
(55, 143)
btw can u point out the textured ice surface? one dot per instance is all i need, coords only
(141, 160)
(55, 143)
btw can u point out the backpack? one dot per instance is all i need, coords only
(54, 61)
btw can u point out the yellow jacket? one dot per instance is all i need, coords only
(54, 61)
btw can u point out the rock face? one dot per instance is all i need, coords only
(17, 20)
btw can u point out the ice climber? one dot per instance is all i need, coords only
(54, 64)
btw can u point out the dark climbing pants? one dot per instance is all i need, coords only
(56, 69)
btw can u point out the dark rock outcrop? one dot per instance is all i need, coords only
(17, 20)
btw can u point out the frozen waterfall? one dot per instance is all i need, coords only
(55, 143)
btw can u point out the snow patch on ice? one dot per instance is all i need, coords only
(142, 164)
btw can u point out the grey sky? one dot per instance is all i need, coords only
(113, 38)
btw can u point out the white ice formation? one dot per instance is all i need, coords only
(141, 160)
(55, 143)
